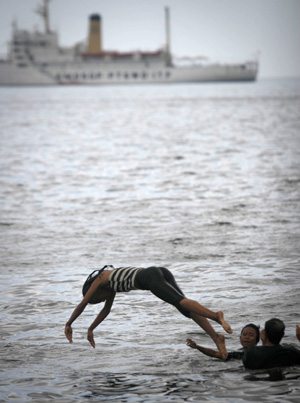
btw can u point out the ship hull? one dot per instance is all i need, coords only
(11, 75)
(97, 74)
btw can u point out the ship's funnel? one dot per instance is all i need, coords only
(95, 34)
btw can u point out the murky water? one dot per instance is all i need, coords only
(202, 179)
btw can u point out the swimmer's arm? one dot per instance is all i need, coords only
(207, 351)
(100, 318)
(101, 281)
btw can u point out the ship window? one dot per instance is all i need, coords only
(22, 65)
(58, 76)
(144, 75)
(67, 76)
(126, 75)
(110, 75)
(99, 75)
(135, 75)
(83, 75)
(168, 74)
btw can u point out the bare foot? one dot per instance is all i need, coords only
(220, 343)
(223, 323)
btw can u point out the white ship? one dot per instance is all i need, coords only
(35, 58)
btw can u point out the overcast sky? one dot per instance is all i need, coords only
(226, 30)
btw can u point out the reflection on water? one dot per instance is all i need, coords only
(273, 375)
(203, 179)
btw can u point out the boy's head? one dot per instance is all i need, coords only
(274, 330)
(249, 335)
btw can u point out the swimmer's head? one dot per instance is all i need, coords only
(274, 330)
(249, 335)
(96, 299)
(100, 295)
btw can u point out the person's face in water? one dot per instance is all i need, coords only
(248, 337)
(101, 295)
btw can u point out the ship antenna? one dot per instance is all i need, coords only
(168, 46)
(43, 11)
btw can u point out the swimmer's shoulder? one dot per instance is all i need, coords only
(103, 278)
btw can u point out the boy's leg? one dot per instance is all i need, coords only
(195, 307)
(218, 339)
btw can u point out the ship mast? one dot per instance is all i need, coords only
(43, 11)
(168, 46)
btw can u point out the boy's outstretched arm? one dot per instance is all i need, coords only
(100, 318)
(77, 311)
(207, 351)
(81, 306)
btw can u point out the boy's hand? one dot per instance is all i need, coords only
(90, 338)
(191, 343)
(68, 333)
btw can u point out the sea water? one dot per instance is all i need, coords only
(203, 179)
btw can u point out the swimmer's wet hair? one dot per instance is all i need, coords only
(274, 329)
(256, 328)
(91, 278)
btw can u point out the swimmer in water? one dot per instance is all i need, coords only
(102, 286)
(250, 336)
(271, 354)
